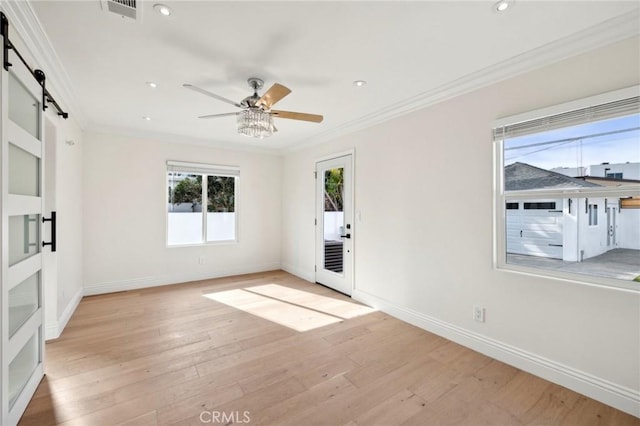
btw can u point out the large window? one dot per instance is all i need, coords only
(192, 186)
(559, 180)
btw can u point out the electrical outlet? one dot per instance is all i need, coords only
(201, 260)
(478, 313)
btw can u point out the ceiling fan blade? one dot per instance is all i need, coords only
(273, 95)
(213, 95)
(298, 116)
(226, 114)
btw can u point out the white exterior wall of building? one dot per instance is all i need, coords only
(570, 171)
(592, 239)
(628, 170)
(570, 250)
(628, 228)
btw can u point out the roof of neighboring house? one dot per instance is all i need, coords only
(521, 176)
(602, 181)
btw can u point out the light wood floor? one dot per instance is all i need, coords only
(190, 352)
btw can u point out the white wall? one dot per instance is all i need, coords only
(570, 171)
(126, 247)
(63, 279)
(435, 260)
(628, 231)
(628, 170)
(592, 239)
(69, 207)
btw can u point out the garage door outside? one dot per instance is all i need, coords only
(534, 228)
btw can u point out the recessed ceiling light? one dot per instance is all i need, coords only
(502, 5)
(359, 83)
(151, 84)
(146, 118)
(162, 9)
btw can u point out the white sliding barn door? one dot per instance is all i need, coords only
(22, 189)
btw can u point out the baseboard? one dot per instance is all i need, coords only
(54, 329)
(51, 330)
(300, 273)
(620, 397)
(160, 280)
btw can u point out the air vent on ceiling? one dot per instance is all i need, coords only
(125, 8)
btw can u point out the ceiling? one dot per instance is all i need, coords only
(317, 49)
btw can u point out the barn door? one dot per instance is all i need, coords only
(21, 323)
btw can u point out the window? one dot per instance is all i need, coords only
(548, 205)
(614, 175)
(593, 214)
(551, 188)
(192, 186)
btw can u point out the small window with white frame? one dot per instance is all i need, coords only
(201, 203)
(593, 215)
(558, 174)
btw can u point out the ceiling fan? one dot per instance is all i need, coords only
(256, 117)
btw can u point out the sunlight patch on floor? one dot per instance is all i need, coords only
(296, 309)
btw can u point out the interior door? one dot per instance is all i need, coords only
(22, 313)
(334, 223)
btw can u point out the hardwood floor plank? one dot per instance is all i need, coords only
(278, 413)
(148, 419)
(395, 410)
(166, 355)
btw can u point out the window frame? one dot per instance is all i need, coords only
(501, 198)
(204, 170)
(593, 215)
(614, 175)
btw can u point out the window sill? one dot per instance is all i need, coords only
(574, 278)
(210, 243)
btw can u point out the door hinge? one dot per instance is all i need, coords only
(315, 222)
(315, 175)
(315, 268)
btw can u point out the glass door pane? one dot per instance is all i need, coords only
(23, 366)
(333, 223)
(24, 237)
(24, 300)
(24, 108)
(24, 172)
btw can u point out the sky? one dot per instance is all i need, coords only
(550, 149)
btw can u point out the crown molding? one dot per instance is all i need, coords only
(24, 24)
(608, 32)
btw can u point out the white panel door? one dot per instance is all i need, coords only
(21, 323)
(334, 223)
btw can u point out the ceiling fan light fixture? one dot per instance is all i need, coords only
(255, 123)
